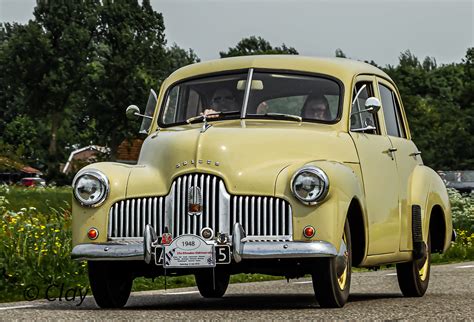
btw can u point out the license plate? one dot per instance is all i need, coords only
(189, 251)
(222, 254)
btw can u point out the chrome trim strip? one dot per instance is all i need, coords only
(224, 208)
(252, 214)
(108, 252)
(208, 179)
(127, 203)
(214, 204)
(132, 217)
(169, 202)
(264, 216)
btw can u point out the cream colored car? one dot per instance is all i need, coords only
(282, 165)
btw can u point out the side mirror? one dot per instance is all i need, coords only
(372, 105)
(132, 112)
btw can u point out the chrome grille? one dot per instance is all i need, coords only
(262, 216)
(128, 218)
(181, 222)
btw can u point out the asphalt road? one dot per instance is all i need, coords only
(374, 295)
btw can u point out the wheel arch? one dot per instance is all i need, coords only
(437, 229)
(357, 225)
(429, 192)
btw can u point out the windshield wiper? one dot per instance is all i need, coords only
(281, 115)
(211, 116)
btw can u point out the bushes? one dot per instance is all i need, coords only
(35, 249)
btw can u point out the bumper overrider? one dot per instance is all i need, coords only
(151, 249)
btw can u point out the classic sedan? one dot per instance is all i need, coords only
(282, 165)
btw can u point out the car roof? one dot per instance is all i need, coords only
(341, 68)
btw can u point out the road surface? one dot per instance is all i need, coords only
(374, 295)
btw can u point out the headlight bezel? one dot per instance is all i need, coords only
(322, 176)
(101, 177)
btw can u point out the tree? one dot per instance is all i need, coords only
(257, 46)
(178, 57)
(43, 63)
(130, 58)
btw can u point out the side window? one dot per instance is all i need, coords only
(362, 119)
(170, 111)
(391, 111)
(175, 112)
(398, 112)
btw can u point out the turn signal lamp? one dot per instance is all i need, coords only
(309, 231)
(93, 233)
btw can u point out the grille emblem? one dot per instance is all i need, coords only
(194, 201)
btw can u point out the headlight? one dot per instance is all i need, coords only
(310, 185)
(90, 188)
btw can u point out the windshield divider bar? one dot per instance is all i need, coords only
(247, 93)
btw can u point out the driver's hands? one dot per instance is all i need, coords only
(210, 113)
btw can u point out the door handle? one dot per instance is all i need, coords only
(390, 152)
(414, 154)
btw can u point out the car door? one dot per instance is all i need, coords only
(406, 153)
(378, 169)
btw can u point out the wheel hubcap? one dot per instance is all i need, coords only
(422, 265)
(342, 259)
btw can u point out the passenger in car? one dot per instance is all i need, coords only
(223, 100)
(316, 107)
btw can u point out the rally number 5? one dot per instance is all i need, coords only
(222, 255)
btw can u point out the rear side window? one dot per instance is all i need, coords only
(392, 113)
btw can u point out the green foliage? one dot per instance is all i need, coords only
(462, 208)
(35, 249)
(257, 46)
(439, 106)
(42, 199)
(69, 73)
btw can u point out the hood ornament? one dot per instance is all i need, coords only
(194, 201)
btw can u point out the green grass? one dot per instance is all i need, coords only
(40, 198)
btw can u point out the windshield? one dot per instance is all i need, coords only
(269, 95)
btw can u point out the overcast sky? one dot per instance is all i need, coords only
(367, 30)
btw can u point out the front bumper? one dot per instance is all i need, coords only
(241, 249)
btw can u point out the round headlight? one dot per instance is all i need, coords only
(90, 188)
(310, 185)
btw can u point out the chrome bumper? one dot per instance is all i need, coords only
(96, 252)
(241, 249)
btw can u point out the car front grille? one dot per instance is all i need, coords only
(263, 218)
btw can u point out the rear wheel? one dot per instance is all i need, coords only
(212, 283)
(332, 276)
(413, 277)
(111, 283)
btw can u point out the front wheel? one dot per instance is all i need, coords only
(212, 283)
(414, 276)
(111, 283)
(332, 276)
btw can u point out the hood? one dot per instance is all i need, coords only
(247, 155)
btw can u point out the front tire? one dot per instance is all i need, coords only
(414, 276)
(206, 285)
(111, 283)
(332, 276)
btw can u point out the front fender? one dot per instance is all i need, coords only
(328, 217)
(428, 190)
(86, 217)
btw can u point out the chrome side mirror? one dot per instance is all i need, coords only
(372, 105)
(132, 112)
